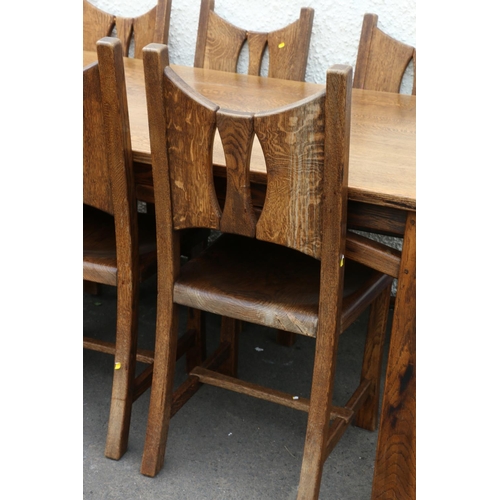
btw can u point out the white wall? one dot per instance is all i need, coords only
(335, 35)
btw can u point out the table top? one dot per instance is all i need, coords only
(383, 127)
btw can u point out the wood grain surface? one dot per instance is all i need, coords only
(383, 127)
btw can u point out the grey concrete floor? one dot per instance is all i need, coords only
(222, 445)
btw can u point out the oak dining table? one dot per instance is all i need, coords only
(382, 199)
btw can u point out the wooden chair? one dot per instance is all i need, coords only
(118, 248)
(382, 60)
(153, 26)
(219, 44)
(284, 269)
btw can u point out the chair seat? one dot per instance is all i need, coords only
(99, 246)
(267, 284)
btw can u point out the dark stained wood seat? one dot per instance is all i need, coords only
(382, 60)
(219, 44)
(245, 278)
(152, 26)
(119, 244)
(283, 267)
(99, 250)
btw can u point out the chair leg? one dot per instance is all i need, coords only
(124, 373)
(286, 339)
(318, 422)
(230, 329)
(372, 361)
(91, 288)
(161, 388)
(196, 320)
(198, 353)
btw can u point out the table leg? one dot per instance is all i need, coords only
(395, 470)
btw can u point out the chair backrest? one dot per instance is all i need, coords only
(219, 44)
(306, 149)
(108, 182)
(382, 60)
(153, 26)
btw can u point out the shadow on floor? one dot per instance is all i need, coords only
(222, 445)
